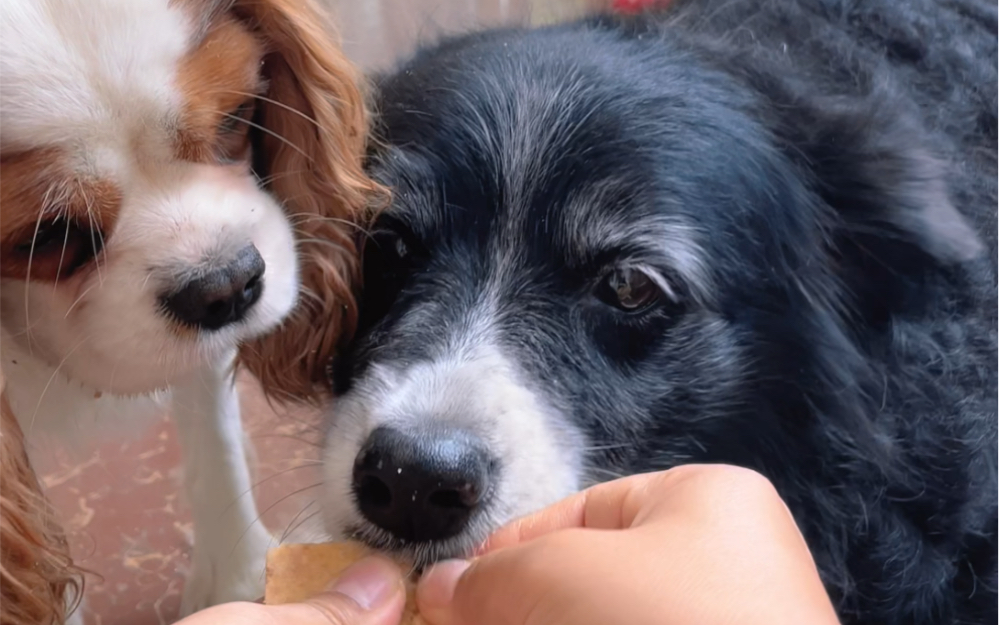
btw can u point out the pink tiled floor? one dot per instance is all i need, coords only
(128, 523)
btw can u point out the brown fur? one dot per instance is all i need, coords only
(216, 78)
(27, 176)
(36, 572)
(315, 169)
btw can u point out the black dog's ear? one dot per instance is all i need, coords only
(888, 217)
(882, 182)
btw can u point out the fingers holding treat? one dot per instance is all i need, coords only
(296, 573)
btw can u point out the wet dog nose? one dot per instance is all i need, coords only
(423, 486)
(221, 296)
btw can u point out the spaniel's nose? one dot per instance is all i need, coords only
(221, 296)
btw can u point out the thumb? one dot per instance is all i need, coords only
(517, 585)
(370, 592)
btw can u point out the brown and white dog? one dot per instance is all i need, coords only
(180, 183)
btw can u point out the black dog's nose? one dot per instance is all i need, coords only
(423, 486)
(221, 296)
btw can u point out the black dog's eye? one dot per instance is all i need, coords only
(394, 245)
(390, 254)
(628, 289)
(390, 258)
(390, 247)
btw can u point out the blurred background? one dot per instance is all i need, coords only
(122, 504)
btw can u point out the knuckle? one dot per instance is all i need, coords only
(749, 481)
(732, 485)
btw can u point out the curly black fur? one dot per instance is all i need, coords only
(835, 162)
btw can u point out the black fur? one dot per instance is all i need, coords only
(836, 161)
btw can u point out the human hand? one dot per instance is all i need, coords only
(699, 544)
(369, 592)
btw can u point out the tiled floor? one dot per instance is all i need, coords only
(122, 504)
(127, 520)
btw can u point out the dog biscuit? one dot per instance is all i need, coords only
(296, 572)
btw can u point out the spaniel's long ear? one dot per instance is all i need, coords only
(37, 576)
(311, 140)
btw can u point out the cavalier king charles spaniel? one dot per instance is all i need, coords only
(181, 183)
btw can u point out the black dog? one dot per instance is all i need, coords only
(752, 232)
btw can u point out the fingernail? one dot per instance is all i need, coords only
(436, 589)
(370, 582)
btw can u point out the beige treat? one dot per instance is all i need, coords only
(298, 572)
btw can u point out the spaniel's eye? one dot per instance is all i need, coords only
(233, 134)
(49, 235)
(58, 248)
(629, 290)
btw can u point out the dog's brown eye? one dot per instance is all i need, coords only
(56, 249)
(233, 135)
(47, 236)
(628, 289)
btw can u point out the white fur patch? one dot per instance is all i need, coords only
(475, 388)
(85, 70)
